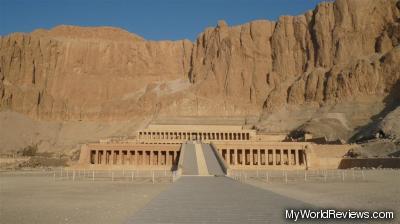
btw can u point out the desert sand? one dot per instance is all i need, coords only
(40, 199)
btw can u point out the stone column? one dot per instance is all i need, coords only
(119, 157)
(96, 157)
(251, 156)
(235, 162)
(232, 156)
(273, 157)
(138, 158)
(243, 157)
(114, 157)
(103, 157)
(158, 157)
(259, 157)
(153, 159)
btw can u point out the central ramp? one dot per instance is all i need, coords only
(200, 160)
(214, 167)
(189, 160)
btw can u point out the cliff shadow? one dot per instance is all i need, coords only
(368, 131)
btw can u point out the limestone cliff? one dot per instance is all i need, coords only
(342, 52)
(85, 73)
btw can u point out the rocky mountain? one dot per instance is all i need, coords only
(338, 63)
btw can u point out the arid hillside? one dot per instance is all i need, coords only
(333, 72)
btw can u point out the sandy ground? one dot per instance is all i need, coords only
(40, 199)
(379, 191)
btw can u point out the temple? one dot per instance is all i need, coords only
(159, 146)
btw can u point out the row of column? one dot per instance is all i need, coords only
(134, 157)
(264, 157)
(195, 135)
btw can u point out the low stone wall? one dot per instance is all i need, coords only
(321, 157)
(370, 163)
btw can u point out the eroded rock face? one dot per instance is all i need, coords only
(343, 50)
(86, 73)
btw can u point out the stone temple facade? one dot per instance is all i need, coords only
(160, 147)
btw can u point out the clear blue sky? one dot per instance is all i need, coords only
(152, 19)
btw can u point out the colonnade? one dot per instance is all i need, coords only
(263, 157)
(182, 135)
(134, 157)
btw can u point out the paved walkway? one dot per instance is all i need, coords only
(194, 199)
